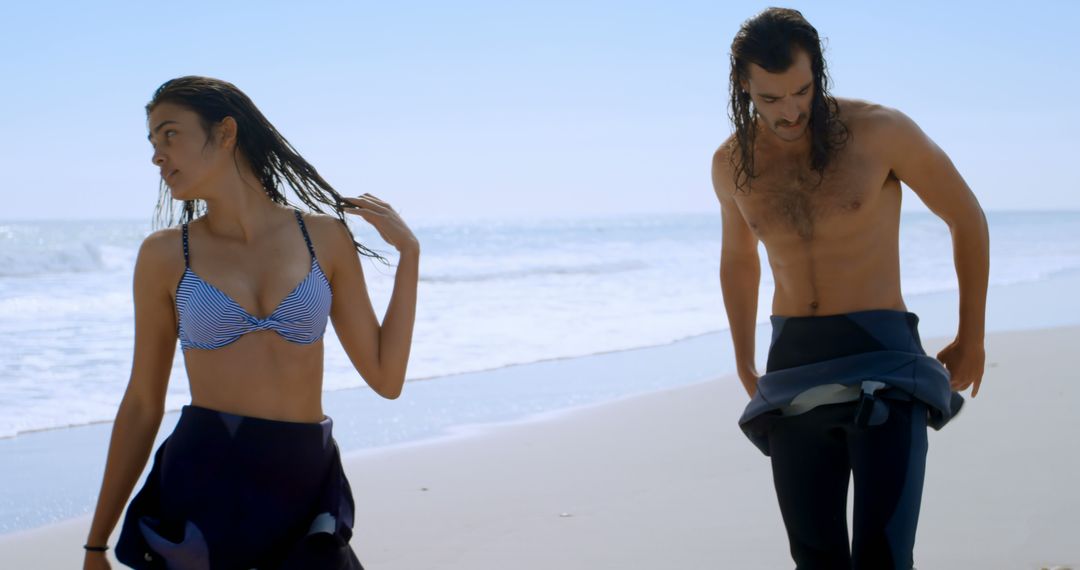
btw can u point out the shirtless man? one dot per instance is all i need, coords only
(817, 180)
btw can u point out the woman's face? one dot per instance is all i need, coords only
(187, 156)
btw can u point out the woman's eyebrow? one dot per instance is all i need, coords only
(158, 128)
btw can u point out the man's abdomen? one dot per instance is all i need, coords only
(837, 275)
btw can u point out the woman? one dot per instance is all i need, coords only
(251, 477)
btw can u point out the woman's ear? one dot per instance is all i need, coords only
(226, 131)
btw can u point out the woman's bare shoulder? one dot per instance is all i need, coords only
(161, 256)
(326, 229)
(331, 240)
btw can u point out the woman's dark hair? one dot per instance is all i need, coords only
(769, 40)
(270, 156)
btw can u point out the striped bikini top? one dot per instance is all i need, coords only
(210, 319)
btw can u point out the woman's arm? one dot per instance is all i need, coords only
(379, 353)
(143, 405)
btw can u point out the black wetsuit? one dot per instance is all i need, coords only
(230, 492)
(879, 438)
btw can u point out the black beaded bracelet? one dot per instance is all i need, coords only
(95, 548)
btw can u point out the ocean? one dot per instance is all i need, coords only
(491, 295)
(515, 321)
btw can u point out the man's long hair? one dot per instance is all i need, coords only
(769, 40)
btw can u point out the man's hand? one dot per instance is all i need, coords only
(749, 382)
(965, 363)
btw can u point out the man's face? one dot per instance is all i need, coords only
(783, 99)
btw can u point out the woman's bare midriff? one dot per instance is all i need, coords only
(259, 375)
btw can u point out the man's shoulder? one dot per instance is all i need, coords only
(722, 155)
(875, 127)
(860, 115)
(723, 169)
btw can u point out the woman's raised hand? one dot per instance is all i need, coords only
(386, 221)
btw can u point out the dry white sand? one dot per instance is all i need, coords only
(666, 480)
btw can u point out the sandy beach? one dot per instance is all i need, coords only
(666, 480)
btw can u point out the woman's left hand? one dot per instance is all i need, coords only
(386, 221)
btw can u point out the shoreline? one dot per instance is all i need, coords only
(666, 479)
(447, 376)
(1024, 305)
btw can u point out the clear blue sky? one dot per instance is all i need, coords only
(489, 109)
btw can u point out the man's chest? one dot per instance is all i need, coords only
(788, 198)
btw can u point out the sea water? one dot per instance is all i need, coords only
(491, 294)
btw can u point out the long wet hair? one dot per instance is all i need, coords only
(274, 161)
(769, 40)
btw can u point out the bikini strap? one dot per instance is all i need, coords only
(186, 262)
(303, 228)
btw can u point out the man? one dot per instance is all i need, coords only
(848, 387)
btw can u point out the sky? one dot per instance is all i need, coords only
(497, 109)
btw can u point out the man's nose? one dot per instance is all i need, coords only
(790, 113)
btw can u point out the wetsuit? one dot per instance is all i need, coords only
(234, 492)
(849, 395)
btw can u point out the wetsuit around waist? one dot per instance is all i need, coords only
(877, 353)
(849, 395)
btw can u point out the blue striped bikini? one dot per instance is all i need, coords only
(210, 319)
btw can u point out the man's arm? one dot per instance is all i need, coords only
(740, 272)
(927, 170)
